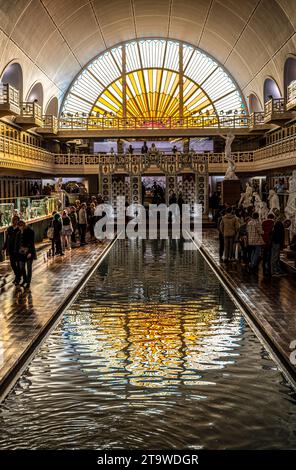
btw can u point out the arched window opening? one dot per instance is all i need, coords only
(52, 107)
(154, 79)
(254, 104)
(13, 75)
(271, 90)
(36, 94)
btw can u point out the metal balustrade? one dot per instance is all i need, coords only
(257, 119)
(119, 159)
(274, 108)
(115, 123)
(49, 125)
(9, 99)
(9, 95)
(31, 110)
(24, 154)
(19, 153)
(281, 147)
(291, 95)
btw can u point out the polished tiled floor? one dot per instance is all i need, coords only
(24, 314)
(272, 302)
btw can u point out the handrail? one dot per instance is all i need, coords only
(102, 159)
(291, 91)
(50, 122)
(275, 105)
(17, 148)
(257, 118)
(31, 109)
(288, 144)
(9, 94)
(186, 122)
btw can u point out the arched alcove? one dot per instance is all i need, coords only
(254, 103)
(36, 93)
(289, 72)
(271, 90)
(52, 107)
(13, 75)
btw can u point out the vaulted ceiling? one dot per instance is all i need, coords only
(54, 39)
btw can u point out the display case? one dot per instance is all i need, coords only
(27, 208)
(38, 208)
(6, 213)
(23, 207)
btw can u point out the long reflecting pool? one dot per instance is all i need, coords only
(152, 354)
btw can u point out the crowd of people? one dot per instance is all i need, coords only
(20, 247)
(244, 237)
(67, 230)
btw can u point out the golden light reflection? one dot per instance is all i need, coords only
(156, 345)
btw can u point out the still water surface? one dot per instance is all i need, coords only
(152, 354)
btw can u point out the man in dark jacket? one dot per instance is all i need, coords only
(277, 244)
(10, 247)
(25, 245)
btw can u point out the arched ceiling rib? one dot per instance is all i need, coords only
(60, 37)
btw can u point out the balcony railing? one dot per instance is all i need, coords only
(9, 98)
(8, 94)
(114, 123)
(257, 119)
(291, 95)
(122, 160)
(282, 147)
(50, 125)
(15, 151)
(274, 108)
(31, 110)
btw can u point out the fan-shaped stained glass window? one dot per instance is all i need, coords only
(154, 78)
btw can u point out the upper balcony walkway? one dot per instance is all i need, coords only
(19, 156)
(82, 126)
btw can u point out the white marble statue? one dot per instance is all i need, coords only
(230, 172)
(273, 200)
(257, 202)
(249, 194)
(263, 211)
(290, 210)
(58, 185)
(246, 197)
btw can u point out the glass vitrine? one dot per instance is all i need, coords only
(6, 213)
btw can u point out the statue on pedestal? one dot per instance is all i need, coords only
(58, 185)
(290, 210)
(263, 211)
(246, 197)
(230, 172)
(257, 202)
(273, 200)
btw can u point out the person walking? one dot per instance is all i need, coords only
(10, 247)
(90, 210)
(74, 222)
(277, 244)
(267, 226)
(229, 227)
(82, 222)
(57, 233)
(25, 245)
(255, 240)
(221, 236)
(67, 230)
